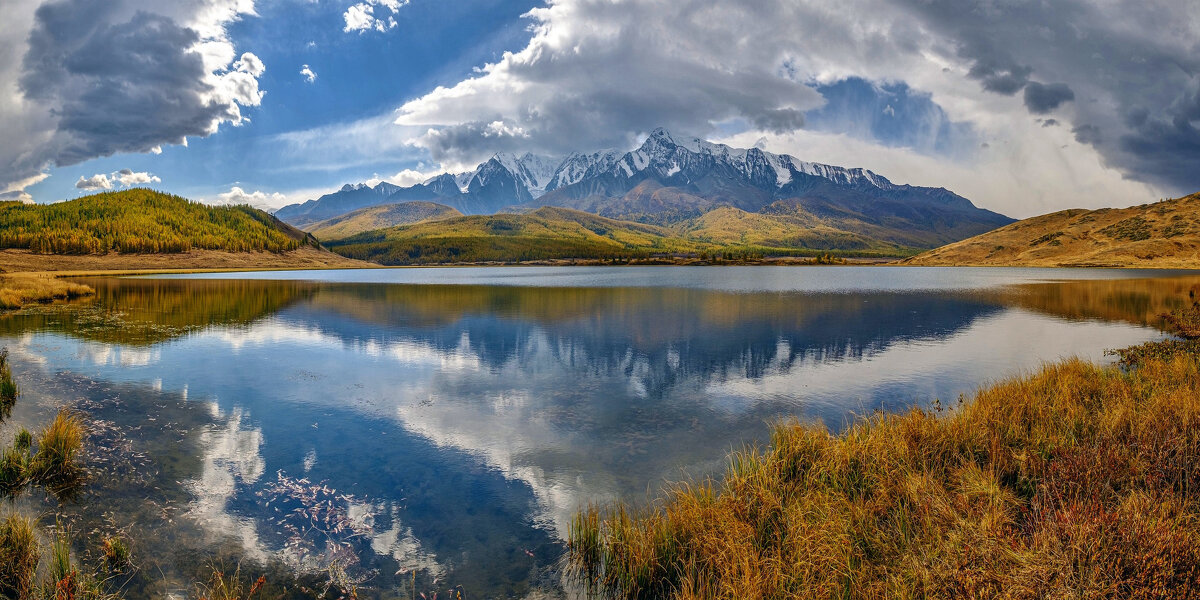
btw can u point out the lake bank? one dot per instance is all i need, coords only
(1075, 480)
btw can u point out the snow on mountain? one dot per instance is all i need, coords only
(579, 166)
(668, 156)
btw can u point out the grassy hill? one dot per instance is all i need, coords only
(142, 221)
(726, 226)
(542, 234)
(555, 233)
(1164, 235)
(379, 217)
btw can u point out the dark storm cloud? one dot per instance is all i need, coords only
(1041, 98)
(892, 114)
(102, 77)
(1088, 134)
(996, 71)
(1132, 67)
(123, 87)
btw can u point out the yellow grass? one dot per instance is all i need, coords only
(23, 289)
(1077, 481)
(1159, 235)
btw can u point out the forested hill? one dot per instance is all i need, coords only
(142, 221)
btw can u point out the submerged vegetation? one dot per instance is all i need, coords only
(1076, 481)
(141, 221)
(17, 291)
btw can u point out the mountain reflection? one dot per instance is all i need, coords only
(660, 336)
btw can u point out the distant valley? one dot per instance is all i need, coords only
(696, 194)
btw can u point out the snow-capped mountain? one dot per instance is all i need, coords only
(578, 166)
(670, 178)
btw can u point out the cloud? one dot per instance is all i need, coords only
(369, 15)
(257, 199)
(308, 74)
(128, 177)
(1042, 98)
(597, 73)
(99, 181)
(123, 178)
(16, 196)
(891, 114)
(88, 79)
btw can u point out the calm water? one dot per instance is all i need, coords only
(447, 422)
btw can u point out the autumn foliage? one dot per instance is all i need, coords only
(139, 221)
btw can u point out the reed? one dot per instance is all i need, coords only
(1075, 481)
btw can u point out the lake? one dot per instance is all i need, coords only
(441, 426)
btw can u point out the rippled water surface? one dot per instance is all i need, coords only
(443, 424)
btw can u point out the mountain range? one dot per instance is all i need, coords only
(672, 181)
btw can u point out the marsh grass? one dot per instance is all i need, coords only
(1077, 481)
(19, 557)
(23, 289)
(223, 586)
(8, 388)
(55, 463)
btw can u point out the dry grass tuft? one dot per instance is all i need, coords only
(1077, 481)
(8, 388)
(18, 557)
(58, 446)
(29, 288)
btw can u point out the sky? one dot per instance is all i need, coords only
(1022, 106)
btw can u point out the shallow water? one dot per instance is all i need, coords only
(447, 422)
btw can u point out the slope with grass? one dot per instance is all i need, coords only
(380, 217)
(1161, 235)
(1078, 481)
(562, 233)
(729, 226)
(542, 234)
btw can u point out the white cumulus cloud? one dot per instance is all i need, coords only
(372, 15)
(307, 74)
(122, 178)
(257, 198)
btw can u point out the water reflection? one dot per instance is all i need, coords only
(452, 430)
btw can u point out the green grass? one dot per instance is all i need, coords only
(1077, 481)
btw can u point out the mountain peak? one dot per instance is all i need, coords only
(662, 136)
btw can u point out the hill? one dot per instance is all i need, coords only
(671, 181)
(142, 221)
(550, 233)
(1160, 235)
(379, 217)
(545, 233)
(140, 228)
